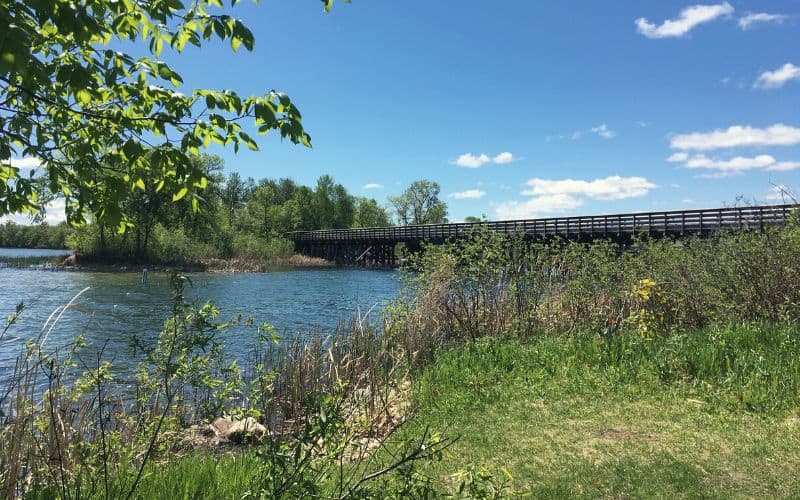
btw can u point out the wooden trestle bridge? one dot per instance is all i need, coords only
(375, 246)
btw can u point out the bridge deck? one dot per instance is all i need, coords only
(677, 222)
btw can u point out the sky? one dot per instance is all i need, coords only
(525, 109)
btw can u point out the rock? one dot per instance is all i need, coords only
(237, 431)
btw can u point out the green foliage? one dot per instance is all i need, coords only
(370, 214)
(236, 218)
(35, 236)
(420, 204)
(104, 123)
(252, 246)
(496, 284)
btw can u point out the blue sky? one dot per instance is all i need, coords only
(527, 109)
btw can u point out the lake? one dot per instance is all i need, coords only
(117, 306)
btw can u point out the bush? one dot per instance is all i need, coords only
(254, 247)
(497, 284)
(173, 245)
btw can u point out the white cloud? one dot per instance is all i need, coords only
(738, 163)
(688, 201)
(603, 131)
(738, 136)
(550, 196)
(504, 157)
(55, 213)
(719, 175)
(373, 185)
(689, 18)
(534, 207)
(784, 166)
(678, 157)
(749, 20)
(469, 160)
(777, 78)
(610, 188)
(469, 194)
(24, 163)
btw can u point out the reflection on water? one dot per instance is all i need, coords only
(117, 307)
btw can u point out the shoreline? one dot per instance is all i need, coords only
(81, 263)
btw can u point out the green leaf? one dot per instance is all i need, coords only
(180, 194)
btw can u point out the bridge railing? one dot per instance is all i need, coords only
(676, 222)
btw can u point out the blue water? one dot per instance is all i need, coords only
(32, 252)
(117, 306)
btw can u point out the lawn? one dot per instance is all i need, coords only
(644, 418)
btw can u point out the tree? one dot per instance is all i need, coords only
(323, 202)
(103, 123)
(420, 204)
(344, 208)
(233, 194)
(370, 214)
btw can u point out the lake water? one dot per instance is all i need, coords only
(117, 306)
(16, 253)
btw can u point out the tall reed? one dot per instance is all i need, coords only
(74, 429)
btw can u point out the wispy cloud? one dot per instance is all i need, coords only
(552, 196)
(610, 188)
(469, 194)
(372, 185)
(603, 131)
(719, 175)
(736, 165)
(750, 20)
(469, 160)
(689, 18)
(678, 157)
(784, 166)
(737, 136)
(534, 207)
(777, 78)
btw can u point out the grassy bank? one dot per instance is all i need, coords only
(633, 417)
(705, 414)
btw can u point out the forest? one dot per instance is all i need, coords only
(235, 217)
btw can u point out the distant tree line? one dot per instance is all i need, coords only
(243, 217)
(33, 236)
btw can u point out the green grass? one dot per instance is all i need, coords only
(708, 414)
